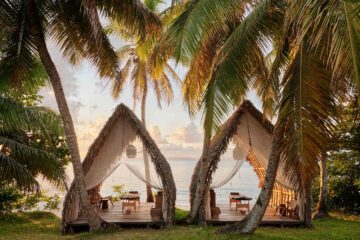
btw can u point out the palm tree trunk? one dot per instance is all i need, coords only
(321, 208)
(194, 181)
(308, 204)
(86, 208)
(198, 193)
(149, 195)
(253, 219)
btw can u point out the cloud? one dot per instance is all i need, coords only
(183, 143)
(188, 134)
(180, 151)
(87, 132)
(156, 135)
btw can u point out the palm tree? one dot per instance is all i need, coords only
(196, 40)
(307, 110)
(20, 159)
(322, 206)
(25, 26)
(140, 73)
(292, 29)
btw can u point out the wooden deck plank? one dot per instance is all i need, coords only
(230, 215)
(141, 217)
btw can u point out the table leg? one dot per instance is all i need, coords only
(105, 205)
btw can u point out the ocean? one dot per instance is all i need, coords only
(244, 181)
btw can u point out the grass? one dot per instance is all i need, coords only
(40, 225)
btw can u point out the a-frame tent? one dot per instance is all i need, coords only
(121, 129)
(247, 126)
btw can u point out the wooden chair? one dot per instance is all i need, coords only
(292, 209)
(104, 202)
(281, 210)
(97, 200)
(137, 199)
(215, 212)
(156, 212)
(232, 197)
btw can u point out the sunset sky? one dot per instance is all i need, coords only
(91, 105)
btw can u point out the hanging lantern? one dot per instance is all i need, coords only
(239, 153)
(131, 151)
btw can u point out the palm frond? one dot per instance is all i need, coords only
(35, 160)
(153, 5)
(73, 32)
(200, 20)
(12, 171)
(139, 80)
(133, 15)
(240, 55)
(199, 73)
(118, 85)
(167, 90)
(157, 91)
(125, 51)
(18, 53)
(172, 73)
(340, 23)
(90, 12)
(15, 116)
(169, 14)
(307, 115)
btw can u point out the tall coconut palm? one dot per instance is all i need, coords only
(195, 39)
(311, 103)
(139, 72)
(322, 206)
(291, 29)
(25, 26)
(20, 160)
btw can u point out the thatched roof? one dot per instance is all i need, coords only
(247, 116)
(101, 147)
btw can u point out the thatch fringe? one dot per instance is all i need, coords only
(162, 167)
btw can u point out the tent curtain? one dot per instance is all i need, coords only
(219, 182)
(154, 182)
(101, 178)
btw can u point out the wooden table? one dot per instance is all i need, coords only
(131, 197)
(240, 204)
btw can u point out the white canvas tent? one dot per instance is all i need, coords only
(122, 128)
(251, 132)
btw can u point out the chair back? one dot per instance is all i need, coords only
(159, 199)
(292, 204)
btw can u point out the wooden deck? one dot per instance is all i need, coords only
(229, 215)
(141, 218)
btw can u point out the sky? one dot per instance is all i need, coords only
(91, 104)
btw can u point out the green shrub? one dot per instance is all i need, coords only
(52, 202)
(40, 215)
(9, 196)
(344, 182)
(119, 190)
(180, 214)
(28, 202)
